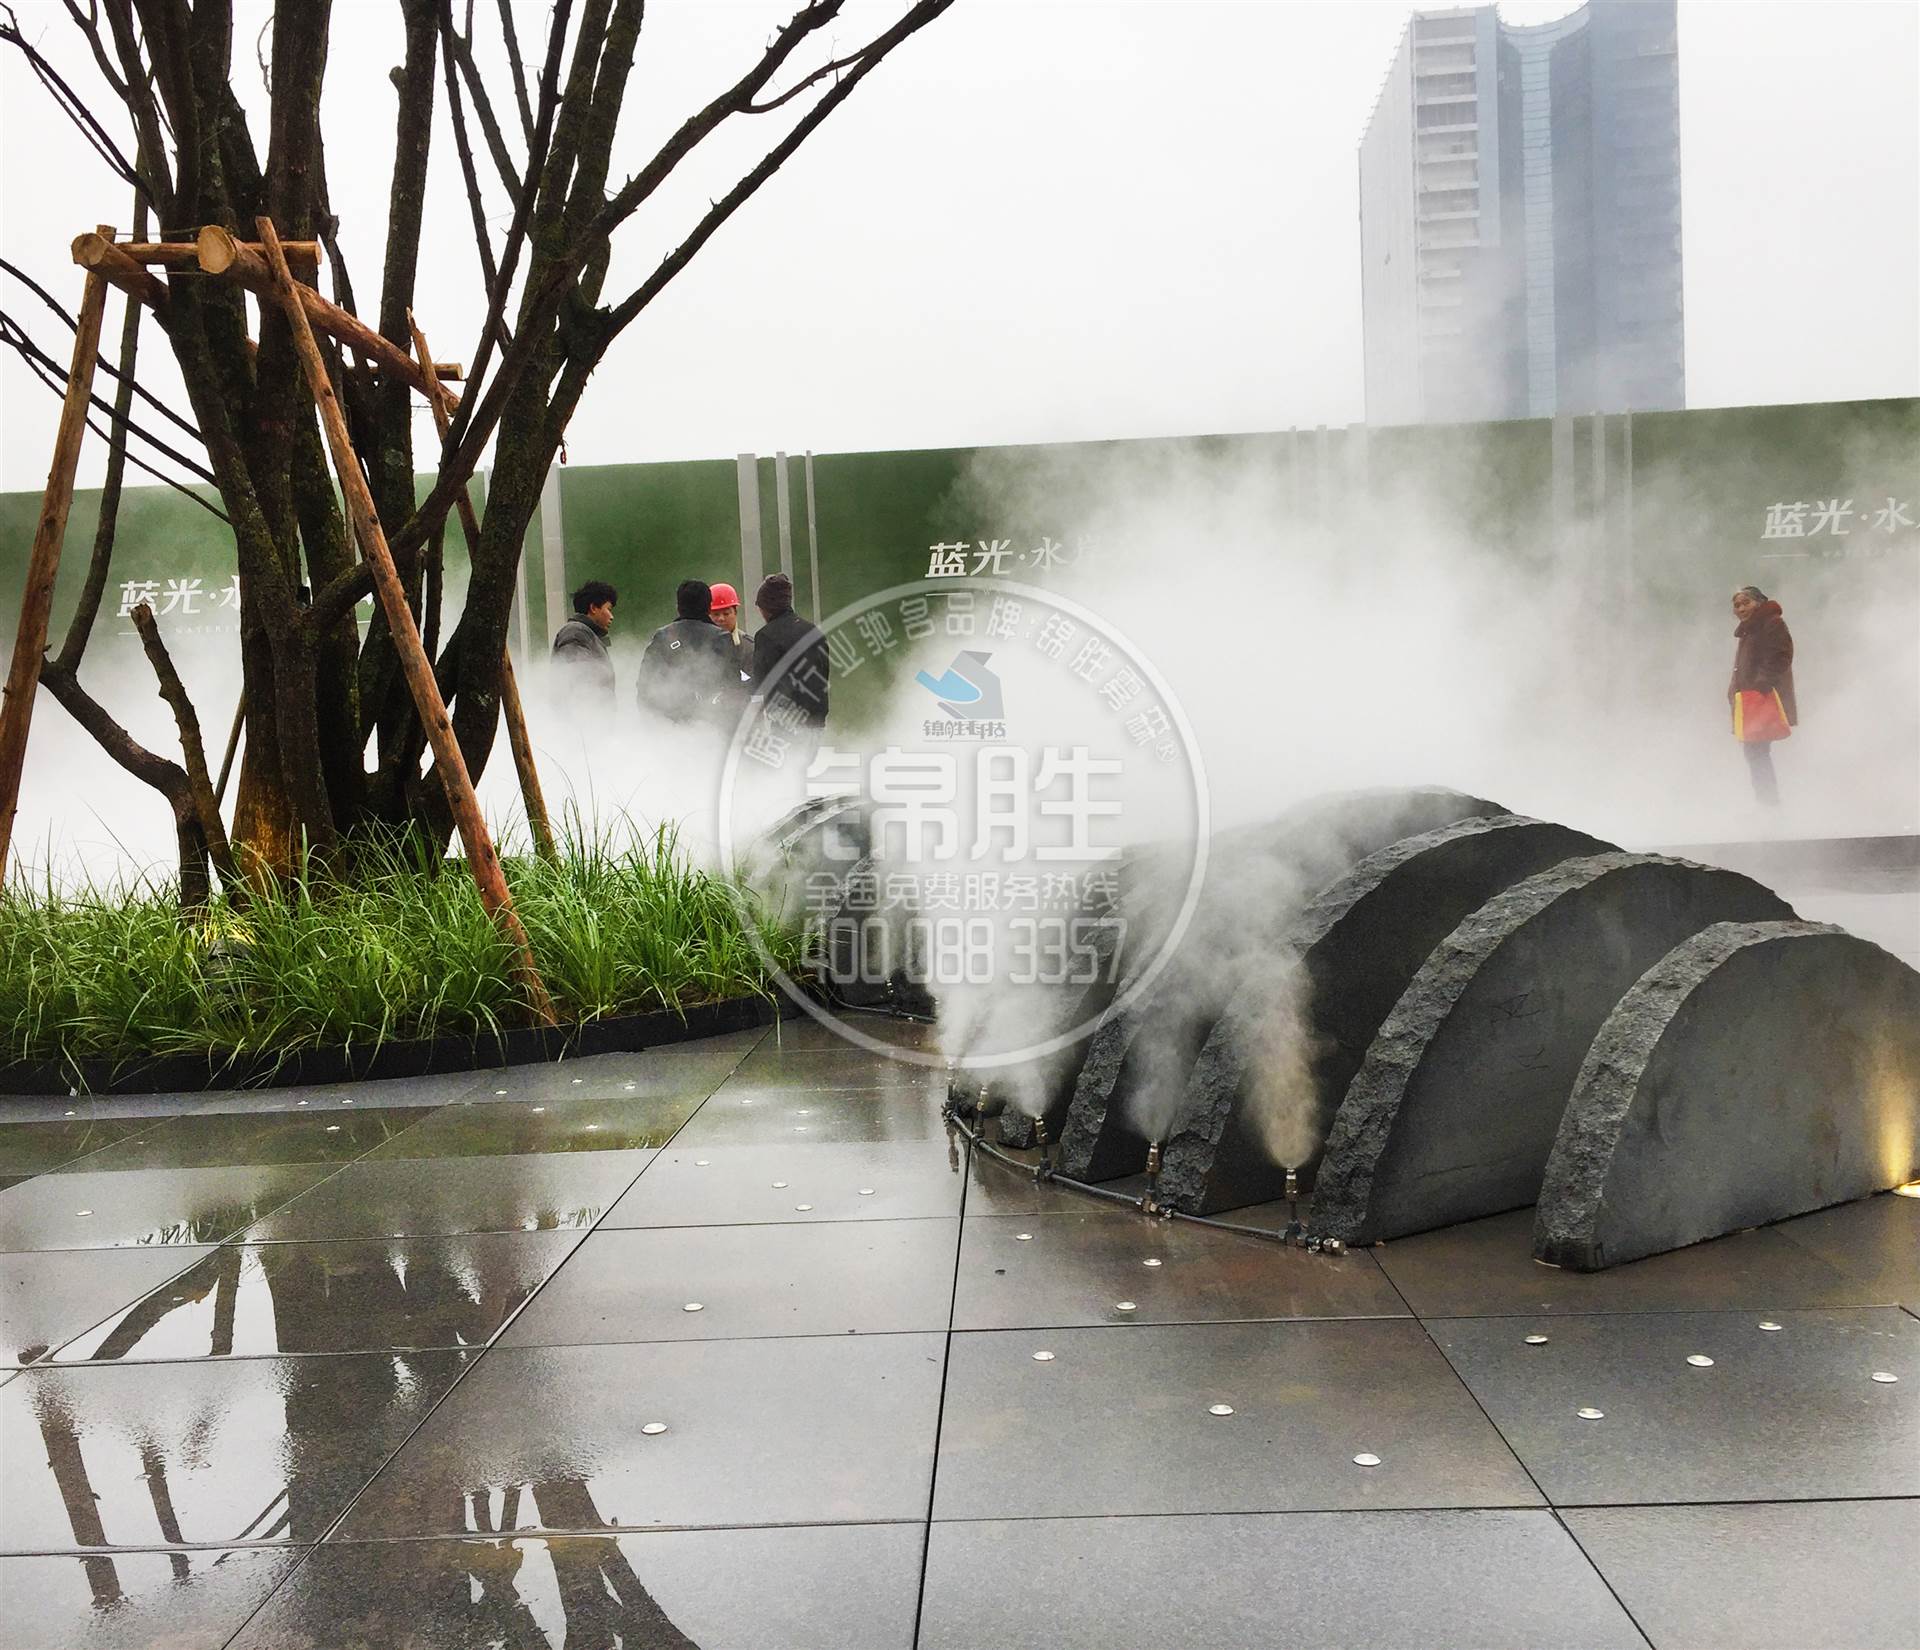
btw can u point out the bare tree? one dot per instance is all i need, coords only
(334, 743)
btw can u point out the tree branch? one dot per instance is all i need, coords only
(518, 68)
(462, 50)
(187, 720)
(864, 62)
(80, 627)
(72, 105)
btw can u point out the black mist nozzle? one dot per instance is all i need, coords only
(1150, 1198)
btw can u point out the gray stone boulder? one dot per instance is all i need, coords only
(1757, 1071)
(1457, 1103)
(1266, 1079)
(1132, 1080)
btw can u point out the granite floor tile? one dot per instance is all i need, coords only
(137, 1600)
(210, 1453)
(1032, 1271)
(431, 1197)
(48, 1297)
(147, 1206)
(230, 1139)
(742, 1116)
(33, 1148)
(1768, 1576)
(525, 1127)
(801, 1033)
(1120, 1420)
(439, 1089)
(827, 1587)
(692, 1072)
(994, 1188)
(1876, 1241)
(1786, 1414)
(772, 1066)
(687, 1283)
(756, 1432)
(256, 1300)
(1492, 1580)
(1486, 1268)
(736, 1185)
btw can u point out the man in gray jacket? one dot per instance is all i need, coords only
(582, 667)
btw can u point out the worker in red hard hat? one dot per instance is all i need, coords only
(726, 614)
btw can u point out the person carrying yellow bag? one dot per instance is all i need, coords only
(1761, 691)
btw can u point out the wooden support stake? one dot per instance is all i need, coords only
(522, 746)
(98, 255)
(233, 745)
(186, 254)
(482, 861)
(43, 564)
(221, 254)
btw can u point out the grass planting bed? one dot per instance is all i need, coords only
(398, 972)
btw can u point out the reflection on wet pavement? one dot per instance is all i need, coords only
(221, 1140)
(142, 1206)
(819, 1588)
(402, 1293)
(428, 1197)
(662, 1350)
(136, 1601)
(49, 1297)
(266, 1449)
(744, 1438)
(508, 1128)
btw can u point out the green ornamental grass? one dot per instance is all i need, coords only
(622, 924)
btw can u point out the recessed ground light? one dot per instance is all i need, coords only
(297, 1103)
(1154, 1262)
(866, 1191)
(83, 1211)
(1768, 1324)
(1023, 1237)
(333, 1128)
(1043, 1357)
(499, 1091)
(1366, 1458)
(1219, 1409)
(701, 1162)
(1536, 1340)
(653, 1429)
(779, 1185)
(593, 1128)
(626, 1085)
(1699, 1360)
(1591, 1414)
(1885, 1377)
(346, 1102)
(694, 1306)
(1125, 1306)
(803, 1207)
(70, 1114)
(539, 1108)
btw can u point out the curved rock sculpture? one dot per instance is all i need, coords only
(1455, 1108)
(1277, 1061)
(1168, 1078)
(1757, 1071)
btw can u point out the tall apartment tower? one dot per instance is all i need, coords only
(1520, 217)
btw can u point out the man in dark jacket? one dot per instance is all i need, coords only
(687, 673)
(582, 667)
(789, 657)
(1762, 663)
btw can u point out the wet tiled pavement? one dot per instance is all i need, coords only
(727, 1345)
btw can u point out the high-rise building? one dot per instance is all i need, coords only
(1520, 217)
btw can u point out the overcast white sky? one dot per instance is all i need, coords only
(1046, 221)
